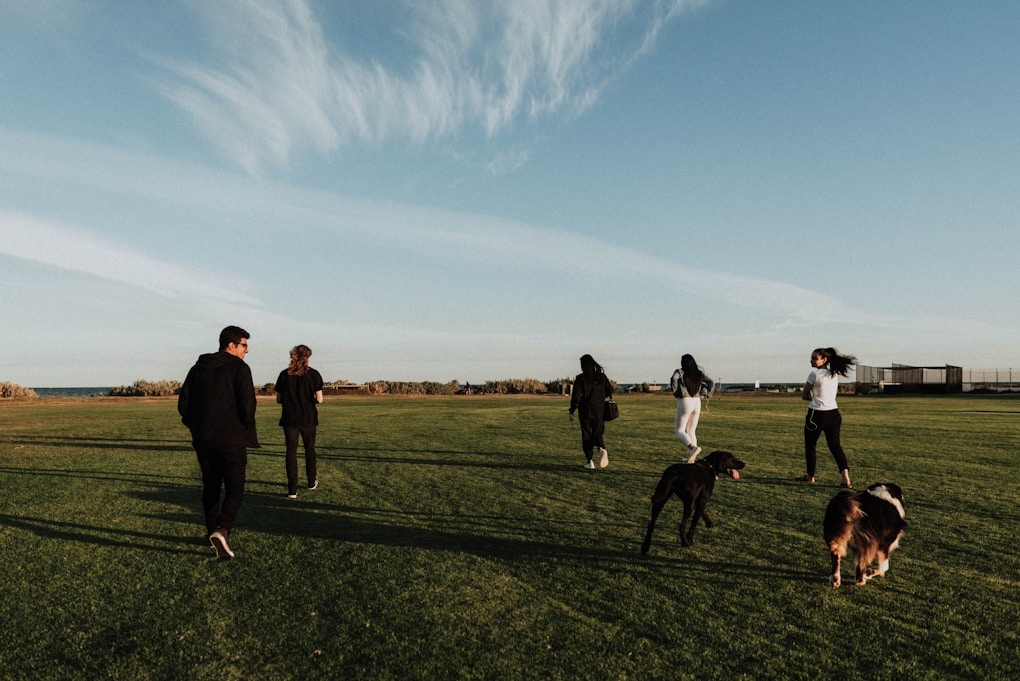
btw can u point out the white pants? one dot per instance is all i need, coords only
(688, 411)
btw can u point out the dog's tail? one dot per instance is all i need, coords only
(840, 516)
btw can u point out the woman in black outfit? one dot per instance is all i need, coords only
(299, 390)
(591, 388)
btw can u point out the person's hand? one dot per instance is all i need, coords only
(571, 417)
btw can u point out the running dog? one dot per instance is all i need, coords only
(869, 523)
(693, 484)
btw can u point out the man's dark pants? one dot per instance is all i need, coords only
(222, 469)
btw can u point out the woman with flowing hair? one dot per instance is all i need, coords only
(689, 384)
(823, 415)
(298, 391)
(591, 388)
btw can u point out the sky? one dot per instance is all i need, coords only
(469, 190)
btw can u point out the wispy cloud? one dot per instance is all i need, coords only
(67, 248)
(274, 82)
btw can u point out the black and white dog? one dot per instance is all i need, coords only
(869, 523)
(693, 483)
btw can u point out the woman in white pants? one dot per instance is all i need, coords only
(689, 384)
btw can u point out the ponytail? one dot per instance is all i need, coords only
(837, 363)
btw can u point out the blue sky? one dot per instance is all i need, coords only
(474, 190)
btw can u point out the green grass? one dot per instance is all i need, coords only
(460, 538)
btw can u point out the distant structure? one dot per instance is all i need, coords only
(903, 378)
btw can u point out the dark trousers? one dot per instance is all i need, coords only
(290, 436)
(817, 423)
(592, 430)
(222, 473)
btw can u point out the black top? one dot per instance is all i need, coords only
(588, 396)
(297, 396)
(217, 402)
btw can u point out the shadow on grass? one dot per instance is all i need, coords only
(103, 536)
(499, 537)
(495, 460)
(92, 442)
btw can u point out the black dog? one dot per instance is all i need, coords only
(693, 483)
(869, 523)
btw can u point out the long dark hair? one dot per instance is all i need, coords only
(589, 367)
(836, 363)
(299, 355)
(693, 375)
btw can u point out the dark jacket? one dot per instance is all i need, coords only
(217, 402)
(588, 395)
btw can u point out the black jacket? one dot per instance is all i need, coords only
(217, 402)
(588, 395)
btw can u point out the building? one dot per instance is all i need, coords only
(903, 378)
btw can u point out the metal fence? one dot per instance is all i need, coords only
(901, 378)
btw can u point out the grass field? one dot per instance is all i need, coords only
(459, 538)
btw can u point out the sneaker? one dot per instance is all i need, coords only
(590, 465)
(292, 495)
(314, 484)
(693, 453)
(605, 458)
(218, 540)
(805, 478)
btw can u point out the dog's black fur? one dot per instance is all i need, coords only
(869, 523)
(693, 484)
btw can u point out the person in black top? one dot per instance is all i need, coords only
(217, 404)
(299, 390)
(591, 388)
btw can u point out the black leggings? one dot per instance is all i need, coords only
(816, 423)
(290, 436)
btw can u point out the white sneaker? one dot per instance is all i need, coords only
(590, 465)
(218, 540)
(605, 458)
(694, 454)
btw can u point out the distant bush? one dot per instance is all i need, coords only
(514, 386)
(13, 391)
(412, 388)
(142, 388)
(267, 389)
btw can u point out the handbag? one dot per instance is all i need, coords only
(609, 410)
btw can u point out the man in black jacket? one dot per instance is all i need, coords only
(217, 404)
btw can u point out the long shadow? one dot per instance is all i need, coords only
(479, 534)
(96, 443)
(106, 476)
(103, 536)
(490, 535)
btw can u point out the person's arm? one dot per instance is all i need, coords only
(318, 397)
(183, 399)
(575, 396)
(674, 383)
(707, 385)
(805, 394)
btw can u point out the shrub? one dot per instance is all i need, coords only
(142, 388)
(412, 388)
(514, 386)
(13, 391)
